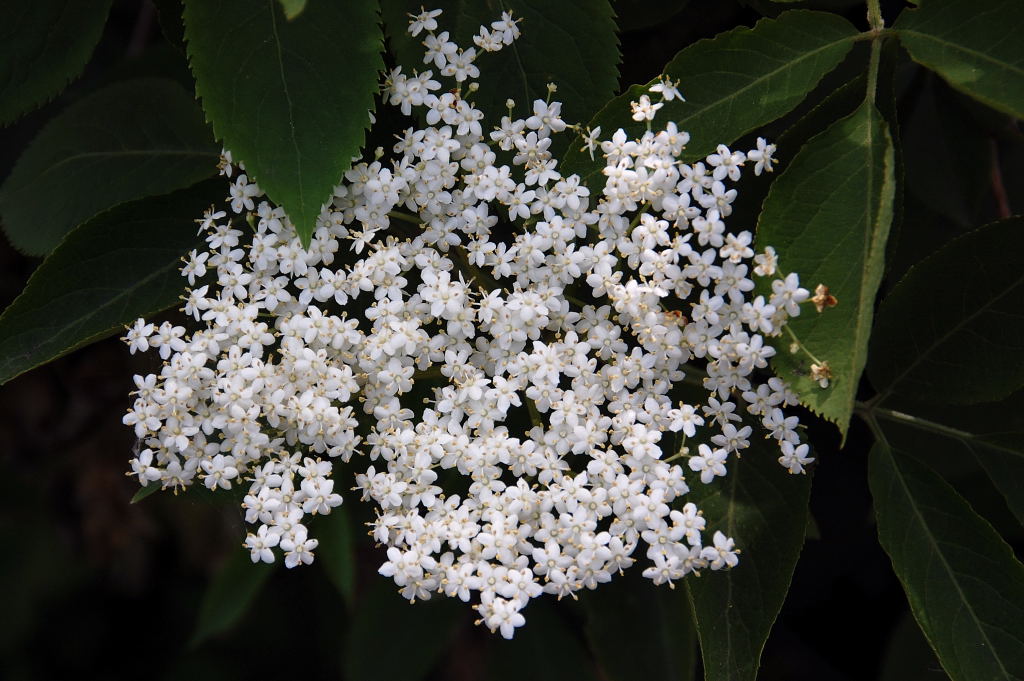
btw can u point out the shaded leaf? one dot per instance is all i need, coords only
(976, 48)
(292, 8)
(293, 105)
(828, 216)
(336, 552)
(964, 585)
(169, 15)
(119, 266)
(663, 648)
(955, 339)
(989, 434)
(44, 44)
(909, 657)
(138, 138)
(391, 638)
(147, 491)
(232, 591)
(948, 156)
(634, 15)
(734, 83)
(548, 638)
(570, 43)
(764, 509)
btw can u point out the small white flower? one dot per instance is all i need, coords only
(424, 21)
(668, 89)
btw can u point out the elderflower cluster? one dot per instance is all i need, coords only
(521, 371)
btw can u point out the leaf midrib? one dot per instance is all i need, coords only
(920, 356)
(127, 152)
(291, 107)
(771, 74)
(78, 321)
(942, 557)
(981, 56)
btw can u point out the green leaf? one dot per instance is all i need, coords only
(292, 8)
(828, 216)
(764, 509)
(138, 138)
(636, 15)
(976, 48)
(144, 492)
(948, 157)
(293, 103)
(233, 589)
(336, 552)
(44, 44)
(964, 585)
(570, 43)
(663, 648)
(990, 434)
(391, 638)
(169, 15)
(119, 266)
(952, 330)
(550, 639)
(909, 657)
(734, 83)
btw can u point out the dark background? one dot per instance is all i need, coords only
(93, 587)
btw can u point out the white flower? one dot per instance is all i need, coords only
(644, 110)
(722, 554)
(424, 21)
(794, 458)
(668, 89)
(138, 336)
(710, 463)
(763, 156)
(537, 461)
(261, 543)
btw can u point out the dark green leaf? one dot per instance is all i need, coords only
(828, 216)
(976, 48)
(663, 648)
(147, 491)
(964, 585)
(119, 266)
(909, 657)
(948, 157)
(336, 552)
(138, 138)
(293, 103)
(44, 44)
(952, 330)
(735, 82)
(571, 43)
(169, 15)
(990, 435)
(233, 589)
(549, 640)
(292, 8)
(764, 509)
(634, 15)
(391, 638)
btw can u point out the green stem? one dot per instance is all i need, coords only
(680, 453)
(467, 268)
(405, 217)
(876, 55)
(877, 28)
(534, 414)
(796, 340)
(875, 15)
(870, 413)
